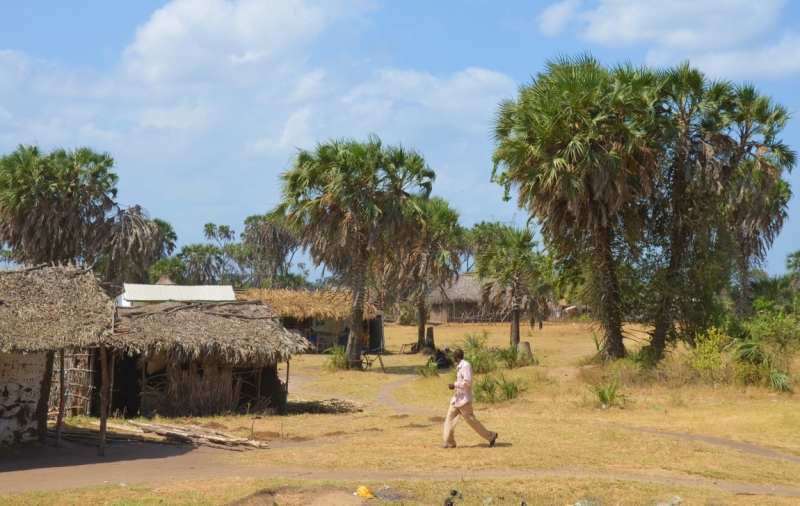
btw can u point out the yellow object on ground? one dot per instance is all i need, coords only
(365, 492)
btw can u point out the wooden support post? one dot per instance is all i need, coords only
(103, 399)
(111, 381)
(258, 388)
(286, 397)
(60, 419)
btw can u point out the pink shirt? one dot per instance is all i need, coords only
(463, 385)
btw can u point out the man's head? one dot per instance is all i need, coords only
(458, 355)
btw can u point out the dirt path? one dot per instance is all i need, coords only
(48, 468)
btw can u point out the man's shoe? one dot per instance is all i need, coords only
(493, 441)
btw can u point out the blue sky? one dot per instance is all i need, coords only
(203, 102)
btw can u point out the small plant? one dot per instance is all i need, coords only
(429, 370)
(477, 353)
(608, 395)
(509, 356)
(757, 366)
(509, 387)
(707, 357)
(337, 360)
(485, 389)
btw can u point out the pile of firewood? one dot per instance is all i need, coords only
(299, 406)
(197, 435)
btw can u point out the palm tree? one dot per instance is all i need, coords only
(129, 244)
(272, 245)
(429, 257)
(54, 204)
(202, 263)
(170, 238)
(345, 200)
(514, 275)
(573, 147)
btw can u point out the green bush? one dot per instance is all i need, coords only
(509, 387)
(756, 366)
(485, 389)
(337, 360)
(477, 353)
(429, 370)
(707, 357)
(512, 358)
(608, 395)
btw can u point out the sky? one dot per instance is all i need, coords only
(203, 103)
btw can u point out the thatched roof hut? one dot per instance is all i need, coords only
(236, 333)
(43, 309)
(48, 308)
(465, 289)
(301, 305)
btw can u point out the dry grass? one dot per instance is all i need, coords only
(552, 426)
(540, 491)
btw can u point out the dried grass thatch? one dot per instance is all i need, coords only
(334, 305)
(466, 288)
(48, 308)
(235, 333)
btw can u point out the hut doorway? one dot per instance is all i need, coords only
(126, 386)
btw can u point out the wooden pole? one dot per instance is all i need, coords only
(286, 397)
(111, 381)
(60, 419)
(103, 399)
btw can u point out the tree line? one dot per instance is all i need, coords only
(655, 194)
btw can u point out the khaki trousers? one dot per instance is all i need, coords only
(454, 414)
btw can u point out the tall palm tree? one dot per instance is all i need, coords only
(170, 238)
(53, 204)
(430, 254)
(273, 246)
(345, 199)
(202, 263)
(572, 145)
(514, 276)
(129, 244)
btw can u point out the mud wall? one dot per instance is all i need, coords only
(24, 391)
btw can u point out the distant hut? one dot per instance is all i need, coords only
(42, 310)
(322, 317)
(460, 301)
(178, 359)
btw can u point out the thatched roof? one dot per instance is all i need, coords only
(306, 304)
(47, 308)
(465, 289)
(241, 333)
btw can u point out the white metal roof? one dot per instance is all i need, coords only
(163, 293)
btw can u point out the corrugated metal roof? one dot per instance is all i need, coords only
(163, 293)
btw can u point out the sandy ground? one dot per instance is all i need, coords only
(27, 468)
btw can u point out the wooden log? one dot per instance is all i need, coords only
(103, 399)
(204, 442)
(60, 420)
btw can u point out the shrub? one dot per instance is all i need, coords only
(509, 387)
(756, 366)
(607, 395)
(337, 360)
(512, 358)
(707, 357)
(477, 353)
(485, 389)
(429, 370)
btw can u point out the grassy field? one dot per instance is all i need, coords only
(554, 426)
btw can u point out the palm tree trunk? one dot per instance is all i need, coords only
(743, 268)
(422, 318)
(515, 327)
(355, 339)
(610, 303)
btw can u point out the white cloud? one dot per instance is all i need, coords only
(681, 24)
(554, 18)
(731, 38)
(210, 100)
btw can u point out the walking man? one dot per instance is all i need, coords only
(461, 405)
